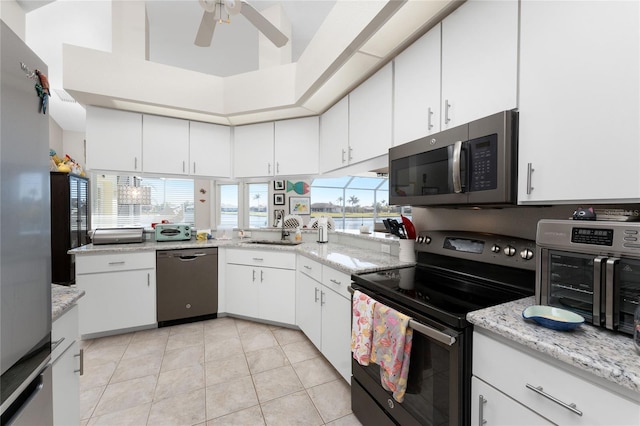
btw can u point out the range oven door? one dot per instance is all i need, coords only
(573, 281)
(439, 381)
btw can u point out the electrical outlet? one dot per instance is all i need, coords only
(385, 248)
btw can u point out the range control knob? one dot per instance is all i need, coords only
(526, 254)
(427, 240)
(509, 251)
(495, 248)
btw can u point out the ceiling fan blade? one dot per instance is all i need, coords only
(263, 25)
(205, 32)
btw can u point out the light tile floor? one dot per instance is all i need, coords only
(219, 372)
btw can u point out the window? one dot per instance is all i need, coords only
(228, 205)
(122, 200)
(353, 201)
(258, 204)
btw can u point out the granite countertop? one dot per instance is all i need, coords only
(62, 299)
(595, 350)
(349, 259)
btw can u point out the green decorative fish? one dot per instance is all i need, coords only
(299, 187)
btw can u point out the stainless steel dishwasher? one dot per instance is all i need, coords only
(187, 285)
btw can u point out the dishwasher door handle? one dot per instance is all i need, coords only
(190, 257)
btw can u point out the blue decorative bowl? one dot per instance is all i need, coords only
(554, 318)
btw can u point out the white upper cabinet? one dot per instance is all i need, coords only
(209, 149)
(416, 83)
(297, 146)
(479, 61)
(253, 150)
(579, 103)
(334, 136)
(165, 144)
(370, 116)
(114, 140)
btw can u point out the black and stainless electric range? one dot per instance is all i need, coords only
(456, 273)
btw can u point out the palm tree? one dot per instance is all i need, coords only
(353, 200)
(340, 200)
(257, 198)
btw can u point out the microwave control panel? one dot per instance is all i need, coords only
(483, 163)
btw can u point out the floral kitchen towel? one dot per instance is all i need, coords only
(361, 326)
(391, 348)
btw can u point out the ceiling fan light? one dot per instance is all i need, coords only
(208, 5)
(233, 6)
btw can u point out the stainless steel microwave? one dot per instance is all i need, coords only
(591, 268)
(471, 164)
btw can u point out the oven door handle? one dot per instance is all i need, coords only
(426, 330)
(432, 333)
(611, 311)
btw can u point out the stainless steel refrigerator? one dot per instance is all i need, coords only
(25, 249)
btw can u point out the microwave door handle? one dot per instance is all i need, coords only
(610, 315)
(457, 152)
(597, 290)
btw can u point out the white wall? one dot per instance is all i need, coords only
(56, 138)
(13, 15)
(73, 145)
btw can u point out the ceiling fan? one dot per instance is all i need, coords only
(213, 12)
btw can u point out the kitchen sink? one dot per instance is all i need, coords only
(274, 242)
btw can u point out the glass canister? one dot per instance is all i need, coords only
(636, 329)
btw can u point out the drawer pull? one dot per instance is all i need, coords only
(481, 420)
(117, 263)
(55, 344)
(81, 355)
(336, 281)
(258, 259)
(540, 391)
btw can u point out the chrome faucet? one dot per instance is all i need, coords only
(279, 215)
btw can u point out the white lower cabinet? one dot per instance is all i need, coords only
(540, 387)
(323, 312)
(66, 369)
(491, 407)
(120, 291)
(261, 284)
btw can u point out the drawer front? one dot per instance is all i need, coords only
(91, 264)
(511, 370)
(264, 258)
(336, 280)
(310, 268)
(65, 327)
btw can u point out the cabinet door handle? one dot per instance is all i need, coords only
(481, 420)
(194, 167)
(148, 279)
(135, 163)
(321, 298)
(447, 105)
(429, 124)
(335, 281)
(530, 170)
(254, 276)
(344, 152)
(258, 259)
(316, 298)
(117, 263)
(571, 407)
(182, 166)
(55, 344)
(307, 267)
(277, 167)
(261, 275)
(268, 168)
(350, 153)
(81, 369)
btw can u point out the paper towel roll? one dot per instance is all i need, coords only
(407, 251)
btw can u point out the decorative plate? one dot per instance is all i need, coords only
(293, 221)
(313, 223)
(554, 318)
